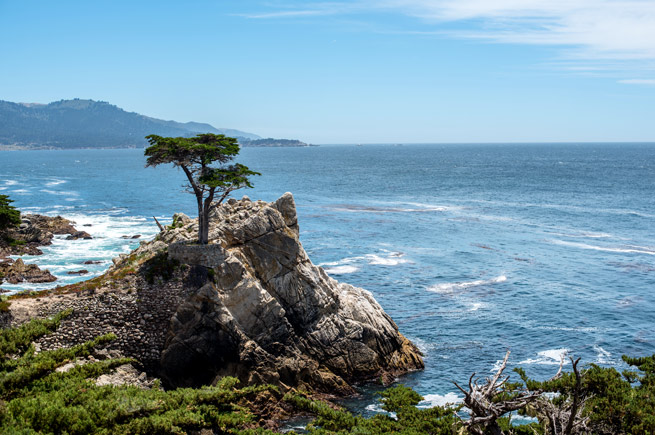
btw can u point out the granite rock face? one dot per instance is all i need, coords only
(264, 313)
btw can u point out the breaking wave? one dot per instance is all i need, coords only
(353, 264)
(432, 400)
(548, 357)
(109, 240)
(341, 270)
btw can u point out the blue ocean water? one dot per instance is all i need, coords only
(472, 249)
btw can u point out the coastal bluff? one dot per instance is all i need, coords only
(250, 304)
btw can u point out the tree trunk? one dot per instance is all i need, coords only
(203, 210)
(203, 230)
(203, 227)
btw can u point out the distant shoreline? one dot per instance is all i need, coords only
(391, 144)
(51, 148)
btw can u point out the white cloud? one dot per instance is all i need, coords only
(598, 29)
(589, 31)
(316, 9)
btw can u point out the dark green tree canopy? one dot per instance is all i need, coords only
(9, 215)
(202, 150)
(195, 155)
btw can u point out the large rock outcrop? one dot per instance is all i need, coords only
(266, 314)
(250, 304)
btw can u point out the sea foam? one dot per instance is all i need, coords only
(548, 357)
(432, 400)
(341, 270)
(108, 241)
(626, 249)
(449, 287)
(353, 264)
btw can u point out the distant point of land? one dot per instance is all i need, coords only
(78, 123)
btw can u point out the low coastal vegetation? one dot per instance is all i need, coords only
(57, 391)
(42, 392)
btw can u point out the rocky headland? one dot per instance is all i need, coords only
(34, 232)
(250, 304)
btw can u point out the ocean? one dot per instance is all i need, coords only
(543, 249)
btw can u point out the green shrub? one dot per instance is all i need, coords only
(9, 215)
(34, 398)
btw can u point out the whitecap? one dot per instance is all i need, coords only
(628, 249)
(449, 287)
(424, 346)
(345, 265)
(342, 270)
(570, 328)
(330, 263)
(60, 192)
(432, 400)
(377, 408)
(497, 365)
(603, 356)
(55, 182)
(347, 260)
(395, 208)
(10, 182)
(431, 207)
(392, 259)
(476, 306)
(586, 235)
(548, 357)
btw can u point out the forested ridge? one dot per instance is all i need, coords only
(89, 124)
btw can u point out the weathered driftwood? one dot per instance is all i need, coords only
(485, 409)
(489, 401)
(161, 228)
(566, 418)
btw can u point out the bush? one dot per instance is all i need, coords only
(9, 215)
(34, 398)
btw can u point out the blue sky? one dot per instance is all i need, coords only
(348, 72)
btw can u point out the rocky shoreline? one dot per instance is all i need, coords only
(249, 305)
(34, 232)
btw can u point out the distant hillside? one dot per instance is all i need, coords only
(89, 124)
